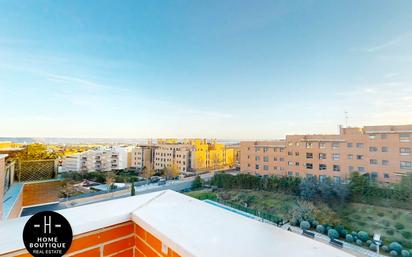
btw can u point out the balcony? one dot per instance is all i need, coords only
(167, 223)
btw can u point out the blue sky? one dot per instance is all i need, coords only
(221, 69)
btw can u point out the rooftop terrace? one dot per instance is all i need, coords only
(167, 223)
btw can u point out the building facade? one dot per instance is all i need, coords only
(97, 160)
(141, 156)
(381, 152)
(172, 155)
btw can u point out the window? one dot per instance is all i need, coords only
(296, 153)
(297, 174)
(373, 161)
(374, 175)
(384, 136)
(359, 145)
(359, 157)
(322, 178)
(290, 153)
(256, 149)
(265, 149)
(281, 150)
(322, 145)
(248, 164)
(404, 137)
(385, 149)
(309, 155)
(406, 165)
(248, 156)
(386, 175)
(336, 167)
(373, 149)
(372, 137)
(290, 143)
(309, 166)
(297, 144)
(281, 159)
(349, 145)
(275, 167)
(265, 158)
(335, 145)
(275, 159)
(290, 163)
(405, 151)
(290, 173)
(336, 157)
(322, 167)
(257, 158)
(350, 156)
(385, 162)
(361, 169)
(265, 167)
(322, 156)
(350, 168)
(308, 145)
(248, 148)
(296, 163)
(257, 166)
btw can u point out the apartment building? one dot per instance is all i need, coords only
(210, 155)
(167, 155)
(97, 160)
(381, 152)
(141, 156)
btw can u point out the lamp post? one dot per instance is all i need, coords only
(377, 240)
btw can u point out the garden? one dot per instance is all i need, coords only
(352, 212)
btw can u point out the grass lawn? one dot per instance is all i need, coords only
(393, 224)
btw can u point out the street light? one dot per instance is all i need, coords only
(377, 240)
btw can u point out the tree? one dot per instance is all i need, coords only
(172, 171)
(197, 182)
(309, 188)
(359, 185)
(132, 189)
(110, 179)
(147, 172)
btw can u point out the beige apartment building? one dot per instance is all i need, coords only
(141, 156)
(381, 152)
(166, 155)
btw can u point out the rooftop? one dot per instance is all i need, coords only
(188, 226)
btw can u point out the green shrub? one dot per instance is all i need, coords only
(349, 238)
(359, 242)
(390, 232)
(354, 233)
(320, 229)
(333, 234)
(315, 223)
(406, 234)
(373, 247)
(305, 225)
(405, 253)
(343, 233)
(381, 214)
(395, 246)
(368, 242)
(393, 253)
(399, 226)
(362, 235)
(385, 248)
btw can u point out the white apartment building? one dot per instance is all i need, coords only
(97, 160)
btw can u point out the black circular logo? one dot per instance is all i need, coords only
(47, 234)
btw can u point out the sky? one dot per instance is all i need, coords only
(216, 69)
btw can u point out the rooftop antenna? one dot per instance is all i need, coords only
(346, 119)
